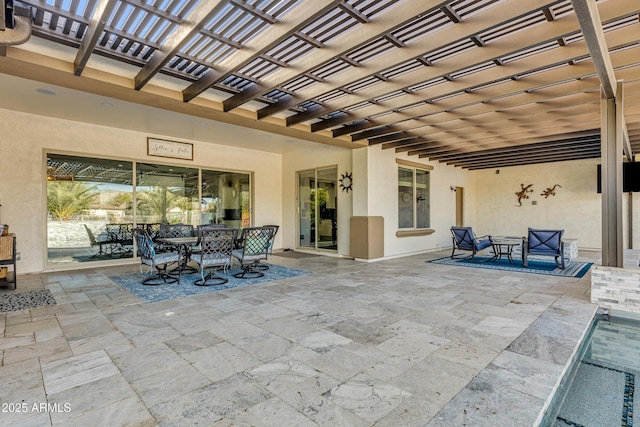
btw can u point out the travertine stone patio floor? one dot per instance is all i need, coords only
(392, 343)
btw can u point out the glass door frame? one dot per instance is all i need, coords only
(49, 266)
(317, 218)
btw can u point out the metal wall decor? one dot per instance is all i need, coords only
(522, 194)
(550, 191)
(346, 181)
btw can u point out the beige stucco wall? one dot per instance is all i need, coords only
(319, 157)
(24, 138)
(490, 202)
(576, 207)
(382, 177)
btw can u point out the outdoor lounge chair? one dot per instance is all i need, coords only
(154, 261)
(543, 242)
(216, 246)
(464, 239)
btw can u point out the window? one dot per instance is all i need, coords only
(92, 205)
(413, 198)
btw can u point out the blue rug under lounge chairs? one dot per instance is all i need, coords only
(151, 294)
(546, 266)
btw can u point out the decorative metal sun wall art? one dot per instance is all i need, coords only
(346, 181)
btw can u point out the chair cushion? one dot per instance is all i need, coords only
(211, 259)
(256, 245)
(166, 258)
(482, 244)
(544, 241)
(238, 254)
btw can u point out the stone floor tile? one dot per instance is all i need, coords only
(221, 361)
(127, 412)
(366, 397)
(323, 341)
(412, 412)
(275, 413)
(281, 374)
(434, 379)
(113, 343)
(327, 413)
(89, 397)
(483, 404)
(288, 327)
(530, 376)
(146, 361)
(163, 386)
(193, 342)
(301, 393)
(467, 355)
(77, 370)
(340, 364)
(47, 351)
(209, 404)
(426, 339)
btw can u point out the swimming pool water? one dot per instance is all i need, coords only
(599, 387)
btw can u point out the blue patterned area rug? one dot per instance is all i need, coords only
(572, 269)
(151, 294)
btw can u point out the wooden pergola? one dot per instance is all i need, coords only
(472, 83)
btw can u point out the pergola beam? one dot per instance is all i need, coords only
(591, 25)
(103, 11)
(197, 19)
(505, 46)
(298, 18)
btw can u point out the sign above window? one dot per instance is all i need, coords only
(173, 149)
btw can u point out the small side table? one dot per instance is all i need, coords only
(503, 247)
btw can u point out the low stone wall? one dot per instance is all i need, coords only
(617, 288)
(72, 234)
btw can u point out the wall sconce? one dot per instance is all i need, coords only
(453, 188)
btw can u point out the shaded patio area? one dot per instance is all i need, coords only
(397, 342)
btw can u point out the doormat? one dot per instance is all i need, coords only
(26, 300)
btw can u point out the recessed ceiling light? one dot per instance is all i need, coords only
(47, 92)
(106, 104)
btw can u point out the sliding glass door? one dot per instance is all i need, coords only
(93, 203)
(84, 196)
(318, 209)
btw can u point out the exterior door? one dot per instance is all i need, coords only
(459, 206)
(318, 209)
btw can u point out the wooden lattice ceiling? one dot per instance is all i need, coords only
(473, 83)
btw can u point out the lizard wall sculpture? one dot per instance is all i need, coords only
(522, 194)
(550, 191)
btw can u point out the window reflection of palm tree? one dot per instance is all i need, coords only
(159, 201)
(68, 198)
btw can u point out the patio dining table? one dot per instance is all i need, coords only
(184, 246)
